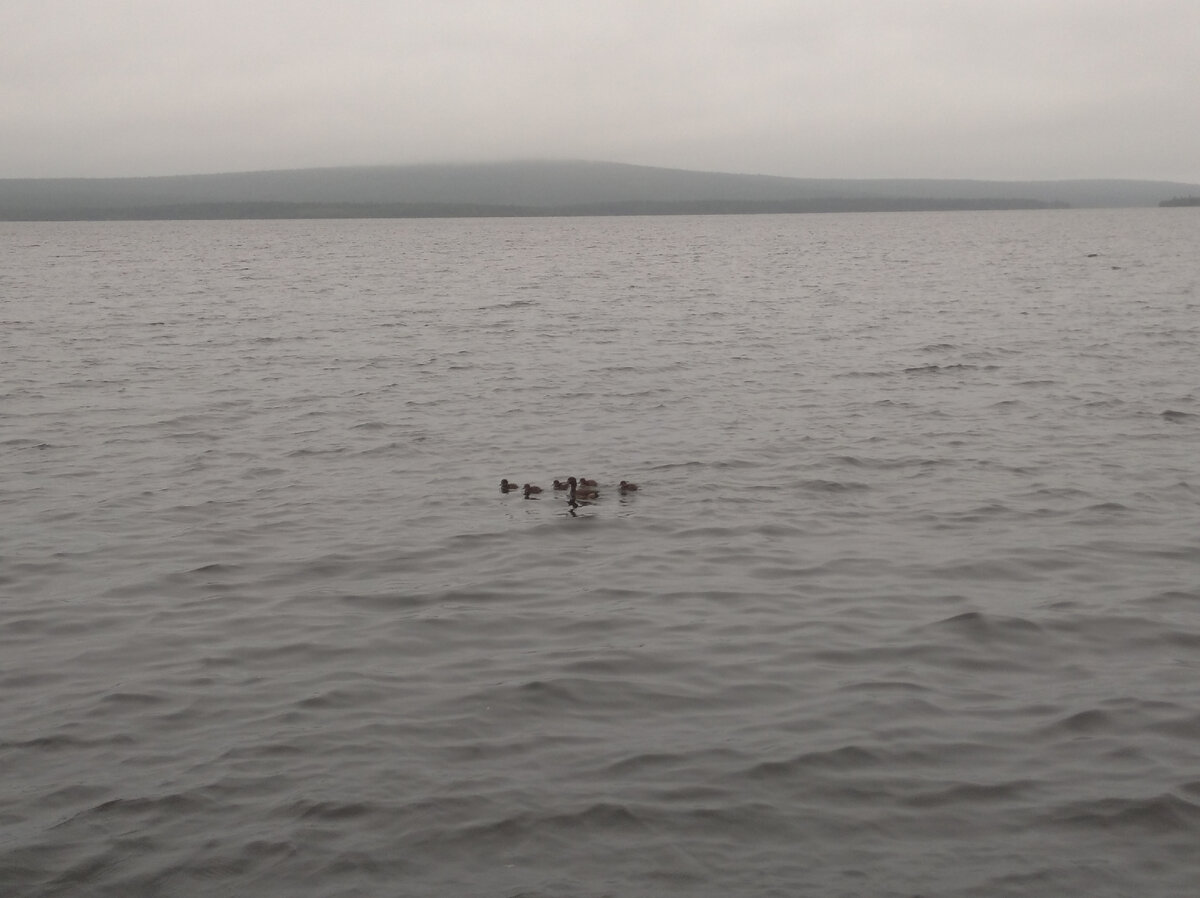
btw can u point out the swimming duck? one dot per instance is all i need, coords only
(506, 487)
(581, 492)
(583, 481)
(561, 485)
(627, 487)
(530, 489)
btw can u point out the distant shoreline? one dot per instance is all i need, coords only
(1180, 201)
(307, 211)
(537, 189)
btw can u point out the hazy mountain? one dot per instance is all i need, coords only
(534, 188)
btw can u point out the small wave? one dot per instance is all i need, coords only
(848, 757)
(22, 444)
(133, 698)
(938, 369)
(175, 803)
(263, 472)
(973, 794)
(514, 304)
(330, 810)
(989, 628)
(654, 764)
(1186, 727)
(886, 686)
(864, 374)
(61, 742)
(383, 601)
(1176, 417)
(886, 464)
(307, 453)
(1164, 813)
(1173, 600)
(833, 486)
(1090, 721)
(1108, 507)
(1060, 492)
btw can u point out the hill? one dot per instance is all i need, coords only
(533, 188)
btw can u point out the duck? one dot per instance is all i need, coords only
(506, 487)
(627, 487)
(530, 489)
(581, 492)
(583, 481)
(561, 485)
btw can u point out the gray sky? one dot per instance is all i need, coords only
(1007, 89)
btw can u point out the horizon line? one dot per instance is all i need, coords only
(495, 163)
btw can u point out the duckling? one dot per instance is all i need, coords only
(530, 489)
(506, 487)
(561, 485)
(627, 487)
(583, 481)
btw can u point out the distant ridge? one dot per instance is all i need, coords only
(535, 188)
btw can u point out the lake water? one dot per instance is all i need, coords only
(908, 602)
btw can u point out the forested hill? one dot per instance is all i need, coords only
(534, 188)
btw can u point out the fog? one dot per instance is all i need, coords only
(1019, 89)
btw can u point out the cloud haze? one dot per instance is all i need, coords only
(812, 88)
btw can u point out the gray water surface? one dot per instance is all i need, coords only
(908, 602)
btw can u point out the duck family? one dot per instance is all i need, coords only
(578, 489)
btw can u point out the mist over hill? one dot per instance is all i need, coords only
(535, 188)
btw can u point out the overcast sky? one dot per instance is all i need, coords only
(1008, 89)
